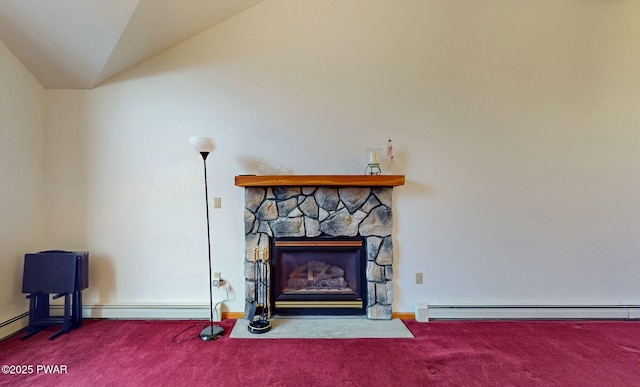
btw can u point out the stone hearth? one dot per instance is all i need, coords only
(325, 211)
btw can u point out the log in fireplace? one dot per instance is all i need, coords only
(319, 276)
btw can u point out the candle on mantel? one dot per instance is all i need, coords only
(374, 155)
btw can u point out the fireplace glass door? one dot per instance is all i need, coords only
(319, 276)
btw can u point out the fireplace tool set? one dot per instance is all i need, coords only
(259, 308)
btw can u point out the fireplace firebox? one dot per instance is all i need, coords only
(319, 276)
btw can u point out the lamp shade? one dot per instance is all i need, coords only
(202, 144)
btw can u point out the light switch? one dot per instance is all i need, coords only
(217, 202)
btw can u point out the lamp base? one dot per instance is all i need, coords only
(211, 332)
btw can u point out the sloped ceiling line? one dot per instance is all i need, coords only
(79, 44)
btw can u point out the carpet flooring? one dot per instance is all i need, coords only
(325, 328)
(443, 353)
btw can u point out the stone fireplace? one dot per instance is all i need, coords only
(319, 209)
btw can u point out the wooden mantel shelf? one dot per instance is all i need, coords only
(319, 180)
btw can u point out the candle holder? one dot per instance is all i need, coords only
(373, 161)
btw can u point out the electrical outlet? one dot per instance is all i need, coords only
(418, 278)
(217, 278)
(217, 202)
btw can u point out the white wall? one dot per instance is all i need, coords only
(515, 123)
(21, 178)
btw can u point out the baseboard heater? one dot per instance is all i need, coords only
(494, 312)
(13, 325)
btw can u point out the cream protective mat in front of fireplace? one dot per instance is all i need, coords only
(325, 328)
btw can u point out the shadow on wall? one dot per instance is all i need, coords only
(102, 281)
(415, 188)
(22, 303)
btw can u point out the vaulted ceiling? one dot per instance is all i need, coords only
(78, 44)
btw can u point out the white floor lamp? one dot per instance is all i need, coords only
(204, 146)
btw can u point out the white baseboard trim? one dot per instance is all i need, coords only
(443, 312)
(524, 312)
(121, 311)
(11, 326)
(435, 312)
(147, 311)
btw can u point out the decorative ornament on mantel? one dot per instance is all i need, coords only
(389, 152)
(373, 161)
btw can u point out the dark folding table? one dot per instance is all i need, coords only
(58, 273)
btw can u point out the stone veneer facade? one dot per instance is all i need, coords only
(325, 212)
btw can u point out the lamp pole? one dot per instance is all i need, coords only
(205, 334)
(204, 145)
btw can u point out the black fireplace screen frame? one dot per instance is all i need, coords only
(314, 303)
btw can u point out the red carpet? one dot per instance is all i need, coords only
(463, 353)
